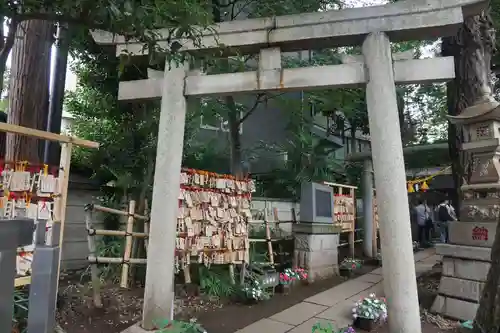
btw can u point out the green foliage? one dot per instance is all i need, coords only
(20, 314)
(329, 328)
(132, 18)
(175, 326)
(215, 282)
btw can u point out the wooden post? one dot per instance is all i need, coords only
(353, 225)
(269, 240)
(94, 271)
(146, 225)
(128, 244)
(62, 199)
(375, 226)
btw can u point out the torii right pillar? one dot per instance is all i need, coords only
(467, 257)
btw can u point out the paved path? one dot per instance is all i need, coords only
(333, 305)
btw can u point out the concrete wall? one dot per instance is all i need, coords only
(75, 248)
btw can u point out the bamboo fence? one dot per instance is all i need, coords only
(129, 236)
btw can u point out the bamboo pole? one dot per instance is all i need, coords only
(186, 269)
(62, 198)
(232, 278)
(146, 225)
(118, 212)
(94, 271)
(128, 244)
(352, 235)
(100, 232)
(269, 242)
(108, 260)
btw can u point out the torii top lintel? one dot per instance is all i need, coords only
(404, 20)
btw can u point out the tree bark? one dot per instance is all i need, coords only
(233, 119)
(488, 314)
(29, 88)
(472, 48)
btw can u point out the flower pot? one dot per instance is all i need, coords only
(364, 324)
(346, 272)
(283, 288)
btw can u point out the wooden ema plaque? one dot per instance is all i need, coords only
(472, 233)
(344, 212)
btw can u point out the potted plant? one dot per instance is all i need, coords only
(349, 265)
(369, 312)
(301, 274)
(287, 279)
(378, 257)
(253, 292)
(329, 328)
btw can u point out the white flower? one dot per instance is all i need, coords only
(355, 316)
(372, 295)
(354, 310)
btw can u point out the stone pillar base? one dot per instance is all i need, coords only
(316, 249)
(465, 269)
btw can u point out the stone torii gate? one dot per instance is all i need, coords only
(371, 27)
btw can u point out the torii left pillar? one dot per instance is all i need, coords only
(159, 289)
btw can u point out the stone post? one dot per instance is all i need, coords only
(158, 293)
(400, 283)
(467, 257)
(368, 208)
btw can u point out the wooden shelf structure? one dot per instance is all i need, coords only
(345, 212)
(67, 144)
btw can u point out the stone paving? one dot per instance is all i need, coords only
(333, 305)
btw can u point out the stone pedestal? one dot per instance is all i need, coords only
(316, 249)
(466, 260)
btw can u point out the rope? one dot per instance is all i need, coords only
(421, 180)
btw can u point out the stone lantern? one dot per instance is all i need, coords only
(466, 260)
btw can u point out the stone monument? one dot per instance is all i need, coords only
(467, 259)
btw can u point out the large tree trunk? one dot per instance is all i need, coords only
(488, 315)
(29, 88)
(473, 43)
(233, 118)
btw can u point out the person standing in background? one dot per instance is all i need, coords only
(446, 213)
(422, 218)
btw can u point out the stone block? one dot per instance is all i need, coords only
(459, 288)
(464, 251)
(316, 242)
(485, 168)
(318, 253)
(454, 308)
(475, 234)
(466, 269)
(480, 210)
(319, 264)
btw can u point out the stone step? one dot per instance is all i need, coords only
(476, 234)
(464, 251)
(454, 308)
(460, 288)
(466, 269)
